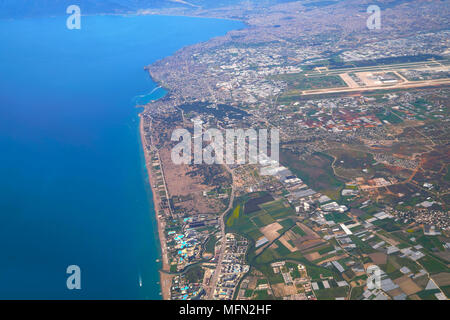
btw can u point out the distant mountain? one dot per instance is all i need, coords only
(30, 8)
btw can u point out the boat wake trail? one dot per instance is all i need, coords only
(144, 98)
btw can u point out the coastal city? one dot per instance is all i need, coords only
(363, 175)
(225, 158)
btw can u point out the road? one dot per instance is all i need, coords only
(216, 273)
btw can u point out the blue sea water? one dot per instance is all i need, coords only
(73, 186)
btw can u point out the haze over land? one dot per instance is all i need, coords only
(27, 8)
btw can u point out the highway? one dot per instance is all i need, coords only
(215, 276)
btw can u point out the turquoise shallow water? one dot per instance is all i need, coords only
(73, 187)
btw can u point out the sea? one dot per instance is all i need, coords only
(73, 184)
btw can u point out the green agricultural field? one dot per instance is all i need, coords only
(254, 234)
(278, 209)
(267, 270)
(447, 175)
(387, 225)
(234, 216)
(263, 295)
(314, 272)
(242, 224)
(210, 244)
(315, 171)
(263, 219)
(262, 263)
(325, 250)
(281, 250)
(400, 262)
(274, 205)
(266, 257)
(261, 281)
(281, 213)
(337, 217)
(248, 293)
(249, 224)
(357, 293)
(362, 246)
(432, 265)
(299, 231)
(332, 293)
(390, 117)
(446, 290)
(430, 243)
(286, 224)
(428, 294)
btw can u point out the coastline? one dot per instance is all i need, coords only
(190, 16)
(165, 278)
(164, 272)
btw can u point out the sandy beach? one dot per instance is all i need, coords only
(165, 279)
